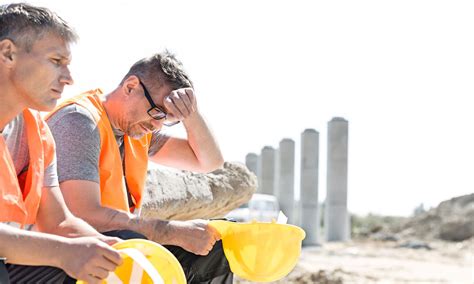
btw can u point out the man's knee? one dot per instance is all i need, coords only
(211, 268)
(216, 259)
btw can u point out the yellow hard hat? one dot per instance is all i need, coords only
(260, 252)
(145, 262)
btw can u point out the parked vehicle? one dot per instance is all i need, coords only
(261, 207)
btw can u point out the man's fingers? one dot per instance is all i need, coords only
(208, 248)
(89, 279)
(191, 97)
(178, 97)
(110, 240)
(181, 103)
(203, 252)
(215, 233)
(112, 256)
(187, 102)
(99, 272)
(107, 264)
(172, 109)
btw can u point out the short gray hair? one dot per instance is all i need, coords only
(159, 69)
(24, 24)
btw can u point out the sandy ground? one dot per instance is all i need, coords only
(384, 262)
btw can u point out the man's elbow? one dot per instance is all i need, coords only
(90, 214)
(212, 166)
(219, 163)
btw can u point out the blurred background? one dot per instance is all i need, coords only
(400, 72)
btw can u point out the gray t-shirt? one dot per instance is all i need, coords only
(17, 142)
(78, 143)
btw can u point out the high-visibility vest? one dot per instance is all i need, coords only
(20, 195)
(113, 191)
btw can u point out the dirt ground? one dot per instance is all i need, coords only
(368, 261)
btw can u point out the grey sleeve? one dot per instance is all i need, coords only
(51, 174)
(77, 144)
(158, 139)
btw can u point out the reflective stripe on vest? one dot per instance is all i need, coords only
(20, 195)
(112, 188)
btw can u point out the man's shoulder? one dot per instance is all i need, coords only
(73, 120)
(13, 131)
(71, 112)
(17, 121)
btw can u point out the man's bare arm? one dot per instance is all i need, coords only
(34, 248)
(55, 218)
(198, 153)
(29, 248)
(83, 199)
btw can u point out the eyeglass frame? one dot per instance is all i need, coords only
(155, 107)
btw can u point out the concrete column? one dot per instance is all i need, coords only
(337, 222)
(286, 178)
(251, 161)
(310, 218)
(267, 171)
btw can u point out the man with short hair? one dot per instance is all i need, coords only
(34, 59)
(104, 143)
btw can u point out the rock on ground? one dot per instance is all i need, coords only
(185, 195)
(452, 220)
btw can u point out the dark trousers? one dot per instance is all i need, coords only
(212, 268)
(12, 273)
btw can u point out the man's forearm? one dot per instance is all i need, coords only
(29, 248)
(74, 227)
(54, 217)
(154, 229)
(105, 219)
(203, 143)
(83, 198)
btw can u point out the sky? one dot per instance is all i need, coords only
(401, 72)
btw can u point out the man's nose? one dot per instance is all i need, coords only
(66, 77)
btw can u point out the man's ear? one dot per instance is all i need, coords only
(8, 52)
(129, 84)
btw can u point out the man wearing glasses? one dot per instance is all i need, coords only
(104, 143)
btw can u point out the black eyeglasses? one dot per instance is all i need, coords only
(156, 112)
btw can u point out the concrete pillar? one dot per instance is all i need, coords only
(310, 218)
(286, 178)
(251, 161)
(267, 170)
(337, 222)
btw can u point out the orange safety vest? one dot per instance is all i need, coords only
(20, 195)
(113, 191)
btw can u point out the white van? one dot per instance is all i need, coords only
(261, 207)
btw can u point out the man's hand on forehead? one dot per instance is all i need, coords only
(181, 103)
